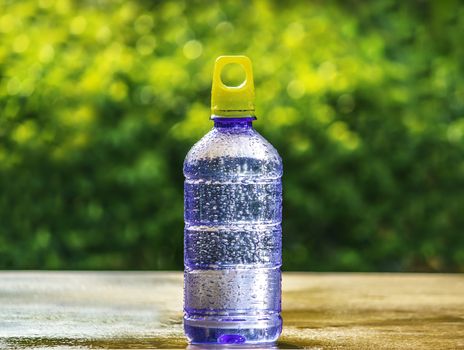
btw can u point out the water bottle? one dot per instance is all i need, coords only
(233, 213)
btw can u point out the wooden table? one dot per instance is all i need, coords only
(143, 310)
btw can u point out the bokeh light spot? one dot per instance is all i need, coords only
(78, 25)
(283, 116)
(46, 54)
(294, 34)
(146, 95)
(7, 23)
(84, 116)
(340, 132)
(193, 49)
(224, 28)
(146, 44)
(118, 91)
(143, 24)
(296, 89)
(323, 113)
(456, 131)
(27, 87)
(63, 6)
(45, 4)
(103, 34)
(24, 132)
(21, 43)
(327, 70)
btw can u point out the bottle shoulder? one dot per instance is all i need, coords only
(232, 153)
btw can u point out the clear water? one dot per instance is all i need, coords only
(232, 238)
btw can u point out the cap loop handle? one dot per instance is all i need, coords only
(233, 101)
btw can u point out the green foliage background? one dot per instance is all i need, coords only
(101, 100)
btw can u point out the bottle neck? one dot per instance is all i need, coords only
(233, 123)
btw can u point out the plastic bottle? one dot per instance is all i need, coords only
(233, 212)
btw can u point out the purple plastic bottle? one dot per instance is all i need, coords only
(233, 235)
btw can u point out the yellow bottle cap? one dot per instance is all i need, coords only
(233, 101)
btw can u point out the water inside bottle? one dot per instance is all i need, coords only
(232, 250)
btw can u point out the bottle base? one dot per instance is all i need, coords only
(232, 331)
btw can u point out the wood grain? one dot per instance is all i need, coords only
(143, 310)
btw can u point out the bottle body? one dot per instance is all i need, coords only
(232, 237)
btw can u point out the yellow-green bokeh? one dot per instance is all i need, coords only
(100, 101)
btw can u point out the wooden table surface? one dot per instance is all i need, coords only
(43, 310)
